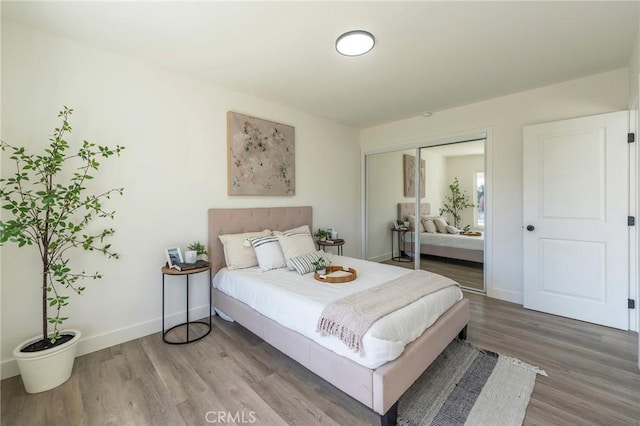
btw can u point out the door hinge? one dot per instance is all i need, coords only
(632, 303)
(631, 220)
(631, 137)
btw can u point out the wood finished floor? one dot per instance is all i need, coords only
(593, 378)
(468, 274)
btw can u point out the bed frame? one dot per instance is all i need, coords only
(380, 388)
(406, 209)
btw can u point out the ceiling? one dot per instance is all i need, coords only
(428, 56)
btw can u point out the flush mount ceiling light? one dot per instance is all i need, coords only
(355, 43)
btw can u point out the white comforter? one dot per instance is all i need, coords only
(451, 240)
(296, 302)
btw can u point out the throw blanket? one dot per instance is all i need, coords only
(349, 318)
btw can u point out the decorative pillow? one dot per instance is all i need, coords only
(304, 264)
(236, 254)
(297, 230)
(441, 225)
(429, 226)
(268, 252)
(412, 223)
(452, 230)
(296, 244)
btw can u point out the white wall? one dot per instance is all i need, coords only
(173, 170)
(464, 168)
(436, 179)
(505, 118)
(385, 190)
(634, 68)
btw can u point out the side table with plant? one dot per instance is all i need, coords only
(52, 208)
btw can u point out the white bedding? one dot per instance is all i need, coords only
(296, 302)
(451, 240)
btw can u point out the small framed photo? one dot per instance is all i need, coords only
(174, 256)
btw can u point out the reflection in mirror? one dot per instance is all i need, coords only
(451, 186)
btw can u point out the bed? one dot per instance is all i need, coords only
(378, 388)
(444, 245)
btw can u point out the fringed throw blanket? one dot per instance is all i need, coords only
(350, 317)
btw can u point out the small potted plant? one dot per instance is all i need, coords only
(199, 249)
(52, 209)
(321, 234)
(320, 265)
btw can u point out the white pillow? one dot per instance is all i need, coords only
(429, 226)
(303, 264)
(236, 254)
(297, 230)
(441, 225)
(452, 229)
(412, 223)
(296, 244)
(268, 252)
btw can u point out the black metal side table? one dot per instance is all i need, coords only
(169, 271)
(402, 255)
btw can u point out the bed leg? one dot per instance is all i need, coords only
(390, 418)
(463, 333)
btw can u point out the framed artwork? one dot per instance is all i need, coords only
(174, 256)
(260, 156)
(409, 176)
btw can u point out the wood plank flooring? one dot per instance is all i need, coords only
(469, 274)
(593, 378)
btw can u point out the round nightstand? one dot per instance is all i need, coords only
(173, 272)
(331, 243)
(402, 255)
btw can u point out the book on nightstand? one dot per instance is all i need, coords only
(187, 266)
(336, 241)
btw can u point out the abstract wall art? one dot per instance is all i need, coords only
(261, 156)
(409, 163)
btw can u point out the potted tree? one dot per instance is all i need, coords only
(52, 208)
(456, 202)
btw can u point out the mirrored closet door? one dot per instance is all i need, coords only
(445, 233)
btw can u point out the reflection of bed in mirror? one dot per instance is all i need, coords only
(451, 246)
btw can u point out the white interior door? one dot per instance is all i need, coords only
(576, 236)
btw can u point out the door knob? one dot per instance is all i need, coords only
(530, 228)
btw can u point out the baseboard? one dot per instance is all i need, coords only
(506, 295)
(9, 368)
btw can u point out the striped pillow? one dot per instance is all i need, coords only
(452, 229)
(296, 244)
(303, 264)
(268, 252)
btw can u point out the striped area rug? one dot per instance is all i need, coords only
(469, 386)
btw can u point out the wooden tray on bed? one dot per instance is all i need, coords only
(336, 280)
(471, 233)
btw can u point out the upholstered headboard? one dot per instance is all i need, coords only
(235, 221)
(405, 209)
